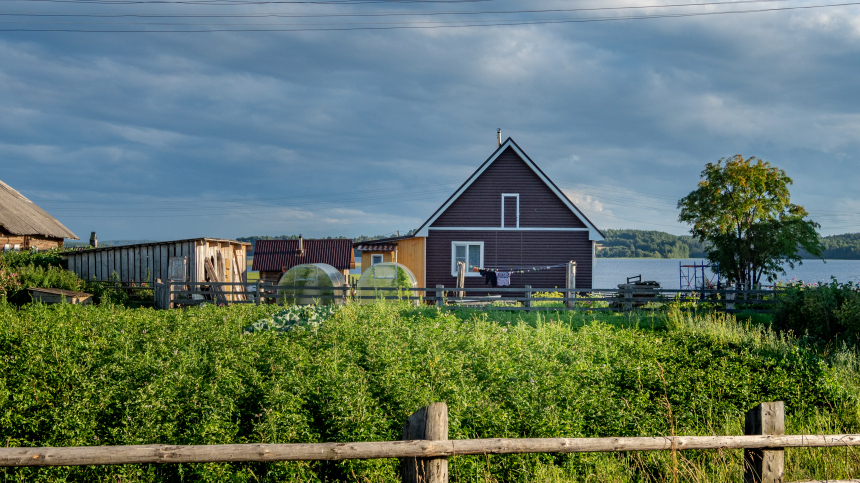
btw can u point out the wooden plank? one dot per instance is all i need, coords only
(765, 465)
(164, 261)
(428, 423)
(140, 261)
(91, 266)
(142, 454)
(124, 269)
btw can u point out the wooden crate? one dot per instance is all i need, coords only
(59, 296)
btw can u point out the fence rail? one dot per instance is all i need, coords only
(425, 448)
(179, 294)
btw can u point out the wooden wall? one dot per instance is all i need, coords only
(365, 258)
(410, 252)
(27, 242)
(137, 263)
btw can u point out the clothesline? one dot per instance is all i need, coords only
(519, 269)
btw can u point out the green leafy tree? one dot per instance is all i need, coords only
(742, 211)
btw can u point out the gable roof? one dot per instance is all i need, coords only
(20, 216)
(593, 232)
(274, 255)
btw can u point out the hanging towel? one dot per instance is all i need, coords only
(503, 278)
(489, 276)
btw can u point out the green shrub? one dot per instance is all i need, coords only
(41, 277)
(821, 312)
(43, 259)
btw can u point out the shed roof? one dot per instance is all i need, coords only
(20, 216)
(76, 250)
(274, 255)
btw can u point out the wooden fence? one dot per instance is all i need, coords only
(496, 298)
(425, 448)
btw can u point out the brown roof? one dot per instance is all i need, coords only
(20, 216)
(378, 247)
(274, 255)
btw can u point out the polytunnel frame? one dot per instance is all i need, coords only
(314, 293)
(364, 289)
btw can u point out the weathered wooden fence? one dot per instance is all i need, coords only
(496, 298)
(425, 448)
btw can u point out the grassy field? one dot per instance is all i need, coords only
(106, 375)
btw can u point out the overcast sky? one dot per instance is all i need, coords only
(166, 135)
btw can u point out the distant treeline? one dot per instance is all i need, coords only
(658, 244)
(649, 244)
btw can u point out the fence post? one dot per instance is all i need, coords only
(170, 296)
(428, 423)
(440, 294)
(461, 278)
(730, 298)
(529, 296)
(571, 283)
(765, 465)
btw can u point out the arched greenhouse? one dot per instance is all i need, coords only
(385, 275)
(312, 281)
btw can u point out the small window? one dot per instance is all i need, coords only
(376, 258)
(510, 210)
(34, 249)
(7, 247)
(470, 253)
(16, 247)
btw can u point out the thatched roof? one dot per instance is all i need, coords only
(20, 216)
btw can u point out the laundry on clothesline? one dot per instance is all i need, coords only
(503, 278)
(520, 269)
(489, 276)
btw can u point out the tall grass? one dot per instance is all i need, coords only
(107, 375)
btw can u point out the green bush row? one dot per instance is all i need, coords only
(820, 312)
(106, 375)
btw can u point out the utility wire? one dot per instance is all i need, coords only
(442, 25)
(32, 13)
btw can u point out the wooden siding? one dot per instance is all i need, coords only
(139, 263)
(365, 258)
(27, 242)
(410, 253)
(508, 249)
(480, 205)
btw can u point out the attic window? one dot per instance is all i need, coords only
(510, 210)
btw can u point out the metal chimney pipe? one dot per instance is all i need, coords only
(94, 242)
(301, 245)
(499, 132)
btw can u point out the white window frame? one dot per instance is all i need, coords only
(373, 257)
(16, 247)
(454, 245)
(510, 195)
(7, 247)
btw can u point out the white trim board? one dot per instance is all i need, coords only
(593, 232)
(498, 228)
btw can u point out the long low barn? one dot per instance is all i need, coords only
(151, 261)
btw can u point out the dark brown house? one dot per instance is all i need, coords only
(273, 257)
(507, 216)
(25, 226)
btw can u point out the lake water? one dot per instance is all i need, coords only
(609, 272)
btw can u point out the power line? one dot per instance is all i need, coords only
(441, 25)
(31, 13)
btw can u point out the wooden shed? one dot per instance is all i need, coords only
(274, 257)
(179, 261)
(25, 226)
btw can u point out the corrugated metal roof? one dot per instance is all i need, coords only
(20, 216)
(77, 250)
(378, 247)
(274, 255)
